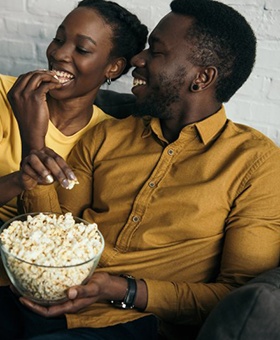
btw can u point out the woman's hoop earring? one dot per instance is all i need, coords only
(194, 87)
(108, 81)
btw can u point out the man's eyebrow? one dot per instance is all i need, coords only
(155, 39)
(82, 36)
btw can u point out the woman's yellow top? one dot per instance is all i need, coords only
(10, 143)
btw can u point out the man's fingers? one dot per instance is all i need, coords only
(70, 306)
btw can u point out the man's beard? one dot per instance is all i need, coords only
(159, 102)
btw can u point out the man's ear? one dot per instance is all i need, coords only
(204, 79)
(116, 68)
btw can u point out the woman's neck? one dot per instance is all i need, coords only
(71, 116)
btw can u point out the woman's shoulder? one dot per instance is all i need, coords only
(6, 113)
(6, 82)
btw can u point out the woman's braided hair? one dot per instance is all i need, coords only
(129, 34)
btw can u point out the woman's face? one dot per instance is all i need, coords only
(80, 53)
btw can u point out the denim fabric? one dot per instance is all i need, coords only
(17, 322)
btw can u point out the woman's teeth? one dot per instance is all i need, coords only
(62, 76)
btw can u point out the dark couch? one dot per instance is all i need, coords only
(118, 105)
(251, 312)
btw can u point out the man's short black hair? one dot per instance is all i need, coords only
(222, 38)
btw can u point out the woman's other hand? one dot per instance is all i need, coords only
(44, 167)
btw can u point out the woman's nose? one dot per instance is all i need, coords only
(62, 53)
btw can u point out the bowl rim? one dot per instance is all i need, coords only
(7, 223)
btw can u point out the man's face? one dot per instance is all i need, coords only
(163, 72)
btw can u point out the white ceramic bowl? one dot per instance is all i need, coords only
(45, 284)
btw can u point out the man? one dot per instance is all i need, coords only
(186, 200)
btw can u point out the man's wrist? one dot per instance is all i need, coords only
(129, 299)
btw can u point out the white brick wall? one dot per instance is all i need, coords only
(27, 26)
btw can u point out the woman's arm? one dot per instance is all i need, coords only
(10, 187)
(39, 167)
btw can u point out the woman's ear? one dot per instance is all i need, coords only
(116, 68)
(204, 79)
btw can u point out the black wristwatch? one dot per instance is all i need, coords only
(128, 300)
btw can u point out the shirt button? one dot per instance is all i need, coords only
(135, 219)
(152, 184)
(170, 152)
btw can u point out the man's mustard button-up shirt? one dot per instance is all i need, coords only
(194, 218)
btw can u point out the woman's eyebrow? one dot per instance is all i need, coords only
(81, 36)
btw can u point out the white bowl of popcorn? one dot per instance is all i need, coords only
(46, 253)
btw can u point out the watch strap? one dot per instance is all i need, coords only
(130, 295)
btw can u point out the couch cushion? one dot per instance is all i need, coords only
(251, 312)
(118, 105)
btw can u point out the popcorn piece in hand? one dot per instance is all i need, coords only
(72, 183)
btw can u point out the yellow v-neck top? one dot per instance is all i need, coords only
(10, 142)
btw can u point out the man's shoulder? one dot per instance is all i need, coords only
(118, 125)
(251, 137)
(109, 129)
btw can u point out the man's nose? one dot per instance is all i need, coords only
(139, 60)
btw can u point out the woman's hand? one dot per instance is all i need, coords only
(28, 99)
(44, 167)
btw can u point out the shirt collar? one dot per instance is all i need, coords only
(206, 129)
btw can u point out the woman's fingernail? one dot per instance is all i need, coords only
(65, 183)
(72, 176)
(49, 179)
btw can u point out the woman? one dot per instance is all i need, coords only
(93, 44)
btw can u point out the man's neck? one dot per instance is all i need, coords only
(171, 128)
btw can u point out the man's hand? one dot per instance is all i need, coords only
(79, 297)
(101, 287)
